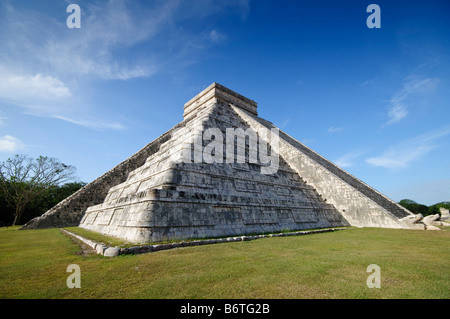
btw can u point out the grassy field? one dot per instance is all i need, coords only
(414, 264)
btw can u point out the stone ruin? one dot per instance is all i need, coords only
(430, 222)
(445, 214)
(178, 186)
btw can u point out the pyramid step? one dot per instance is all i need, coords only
(158, 194)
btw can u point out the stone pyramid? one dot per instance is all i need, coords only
(222, 171)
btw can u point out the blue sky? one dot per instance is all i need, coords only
(374, 101)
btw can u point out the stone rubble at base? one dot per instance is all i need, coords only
(430, 222)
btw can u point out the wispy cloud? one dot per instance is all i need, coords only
(45, 66)
(216, 36)
(41, 64)
(25, 88)
(108, 30)
(401, 155)
(94, 123)
(10, 144)
(2, 118)
(412, 86)
(367, 83)
(283, 124)
(396, 113)
(332, 129)
(116, 27)
(46, 96)
(348, 159)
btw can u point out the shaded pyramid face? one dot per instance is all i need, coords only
(198, 186)
(222, 171)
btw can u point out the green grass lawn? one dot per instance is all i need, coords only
(414, 264)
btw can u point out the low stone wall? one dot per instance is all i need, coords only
(106, 251)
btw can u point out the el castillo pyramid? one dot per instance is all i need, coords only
(222, 171)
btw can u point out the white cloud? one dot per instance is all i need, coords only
(10, 144)
(113, 28)
(49, 69)
(283, 124)
(396, 113)
(149, 34)
(216, 36)
(370, 82)
(108, 29)
(332, 129)
(399, 158)
(347, 159)
(92, 123)
(2, 118)
(399, 102)
(25, 88)
(46, 96)
(401, 155)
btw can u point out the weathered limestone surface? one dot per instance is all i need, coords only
(414, 222)
(217, 91)
(430, 222)
(163, 192)
(167, 198)
(358, 203)
(70, 211)
(445, 214)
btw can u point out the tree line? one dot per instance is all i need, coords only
(425, 210)
(29, 187)
(39, 205)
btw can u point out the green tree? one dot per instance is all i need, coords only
(48, 199)
(23, 179)
(414, 207)
(6, 210)
(434, 209)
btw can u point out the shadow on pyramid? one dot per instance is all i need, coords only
(222, 171)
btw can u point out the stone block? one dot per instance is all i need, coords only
(111, 252)
(100, 249)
